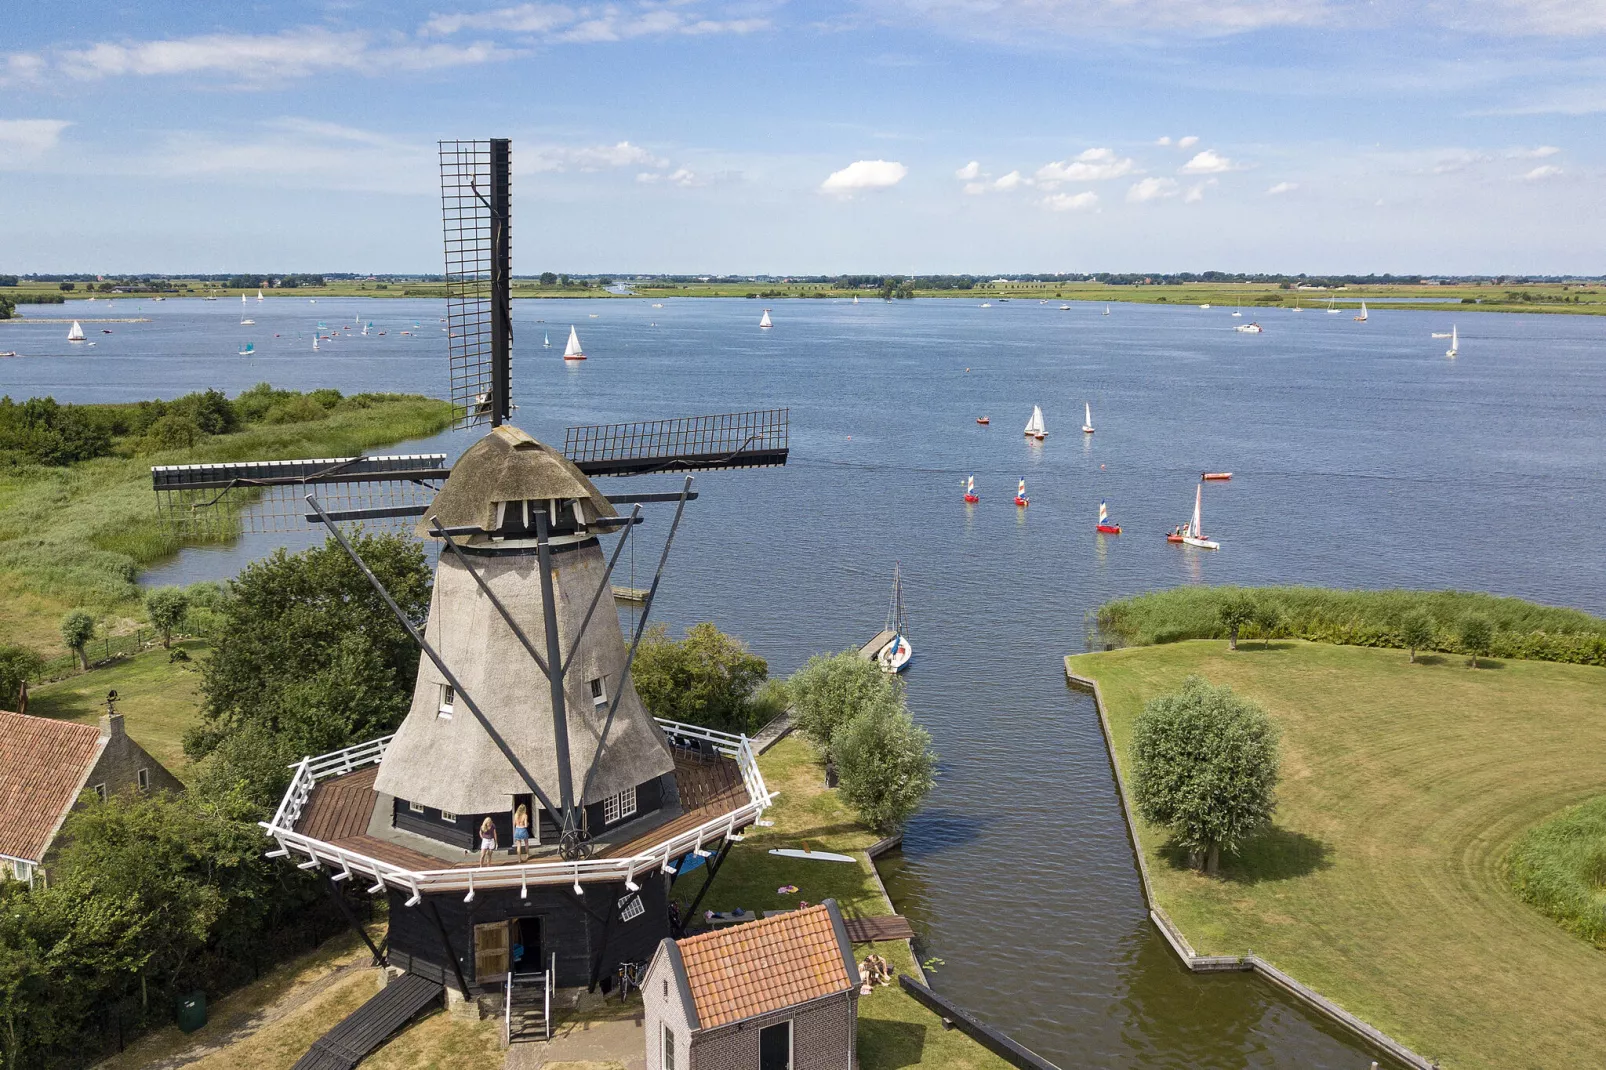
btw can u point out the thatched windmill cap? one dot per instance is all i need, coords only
(509, 465)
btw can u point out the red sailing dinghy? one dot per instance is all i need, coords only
(1020, 495)
(971, 497)
(1106, 525)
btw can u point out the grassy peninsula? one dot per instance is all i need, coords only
(1384, 881)
(74, 533)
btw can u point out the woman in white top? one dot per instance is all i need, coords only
(487, 841)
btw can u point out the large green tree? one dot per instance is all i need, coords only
(306, 653)
(832, 689)
(17, 665)
(708, 678)
(885, 763)
(167, 607)
(1205, 765)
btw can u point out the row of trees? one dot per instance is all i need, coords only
(1475, 632)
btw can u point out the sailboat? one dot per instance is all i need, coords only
(1238, 313)
(572, 351)
(365, 329)
(1065, 308)
(1106, 525)
(1192, 535)
(315, 343)
(1455, 342)
(855, 298)
(244, 320)
(764, 321)
(1106, 310)
(76, 334)
(1331, 311)
(1020, 495)
(248, 350)
(546, 340)
(970, 491)
(1087, 421)
(896, 654)
(1034, 426)
(259, 293)
(1362, 317)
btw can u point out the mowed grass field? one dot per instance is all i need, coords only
(1383, 884)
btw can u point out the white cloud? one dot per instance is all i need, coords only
(1152, 189)
(1187, 142)
(969, 172)
(586, 158)
(1092, 165)
(1208, 162)
(1071, 202)
(561, 22)
(863, 175)
(1282, 187)
(294, 152)
(1542, 172)
(684, 177)
(25, 140)
(1164, 141)
(975, 188)
(1196, 192)
(1538, 153)
(1009, 181)
(1031, 21)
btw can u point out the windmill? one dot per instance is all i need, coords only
(523, 699)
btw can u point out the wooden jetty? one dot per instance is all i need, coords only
(869, 650)
(630, 596)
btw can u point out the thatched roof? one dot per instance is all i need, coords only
(509, 465)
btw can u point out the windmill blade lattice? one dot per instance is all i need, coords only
(475, 193)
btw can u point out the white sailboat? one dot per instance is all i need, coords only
(546, 340)
(764, 321)
(248, 350)
(1331, 311)
(894, 657)
(572, 351)
(259, 293)
(1455, 342)
(855, 298)
(1238, 313)
(1194, 535)
(1034, 426)
(315, 343)
(76, 333)
(244, 321)
(1106, 310)
(1087, 422)
(1362, 317)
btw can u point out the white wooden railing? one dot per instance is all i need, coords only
(387, 875)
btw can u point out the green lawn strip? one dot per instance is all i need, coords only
(1383, 884)
(158, 699)
(1560, 867)
(894, 1030)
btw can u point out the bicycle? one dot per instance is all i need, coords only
(630, 973)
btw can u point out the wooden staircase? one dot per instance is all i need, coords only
(527, 1007)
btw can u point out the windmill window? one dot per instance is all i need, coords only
(144, 778)
(448, 700)
(415, 807)
(618, 807)
(599, 692)
(448, 816)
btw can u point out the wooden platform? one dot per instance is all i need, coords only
(876, 929)
(869, 650)
(370, 1025)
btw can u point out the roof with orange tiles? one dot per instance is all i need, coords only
(762, 966)
(43, 766)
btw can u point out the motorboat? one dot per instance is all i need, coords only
(1248, 328)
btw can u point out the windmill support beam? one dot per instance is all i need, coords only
(501, 294)
(554, 653)
(485, 589)
(602, 948)
(451, 956)
(713, 871)
(635, 642)
(429, 652)
(574, 648)
(351, 917)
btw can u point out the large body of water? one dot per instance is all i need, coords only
(1361, 455)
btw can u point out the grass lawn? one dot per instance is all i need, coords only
(1383, 884)
(894, 1030)
(158, 699)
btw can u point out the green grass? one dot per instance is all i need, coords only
(1383, 883)
(158, 699)
(894, 1030)
(1560, 867)
(77, 536)
(1361, 618)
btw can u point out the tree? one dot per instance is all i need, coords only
(1477, 636)
(7, 308)
(832, 689)
(1268, 618)
(1416, 630)
(1205, 765)
(307, 650)
(885, 763)
(1235, 612)
(77, 629)
(708, 678)
(167, 607)
(17, 665)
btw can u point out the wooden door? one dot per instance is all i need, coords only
(490, 952)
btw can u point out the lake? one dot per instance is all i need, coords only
(1361, 455)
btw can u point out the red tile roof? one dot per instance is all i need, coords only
(43, 766)
(762, 966)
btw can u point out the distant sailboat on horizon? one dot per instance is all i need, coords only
(76, 332)
(1034, 426)
(572, 351)
(1362, 317)
(244, 321)
(546, 340)
(1455, 343)
(764, 320)
(259, 293)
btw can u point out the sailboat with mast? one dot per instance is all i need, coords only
(1362, 317)
(1455, 342)
(546, 340)
(894, 657)
(1331, 309)
(572, 351)
(1106, 525)
(1034, 426)
(971, 497)
(244, 320)
(76, 332)
(1020, 495)
(259, 293)
(764, 321)
(1193, 535)
(1087, 419)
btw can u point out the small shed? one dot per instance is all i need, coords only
(45, 765)
(776, 994)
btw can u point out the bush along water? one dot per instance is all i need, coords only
(1559, 866)
(1392, 618)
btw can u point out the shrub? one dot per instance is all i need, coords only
(832, 689)
(885, 763)
(1234, 613)
(298, 409)
(171, 432)
(1205, 765)
(1477, 635)
(167, 607)
(1416, 630)
(1559, 866)
(708, 678)
(17, 665)
(77, 629)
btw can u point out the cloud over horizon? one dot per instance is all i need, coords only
(864, 176)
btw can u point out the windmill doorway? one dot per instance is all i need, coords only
(526, 935)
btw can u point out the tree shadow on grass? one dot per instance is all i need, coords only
(1258, 646)
(1430, 659)
(892, 1044)
(1277, 854)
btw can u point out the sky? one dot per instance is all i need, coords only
(867, 136)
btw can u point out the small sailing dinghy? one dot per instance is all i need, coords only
(1020, 495)
(315, 343)
(1034, 426)
(1193, 535)
(811, 856)
(572, 351)
(1331, 311)
(896, 654)
(1362, 317)
(244, 321)
(764, 320)
(1106, 310)
(76, 333)
(984, 420)
(248, 350)
(1065, 308)
(1455, 341)
(546, 341)
(1087, 421)
(971, 497)
(1106, 525)
(259, 293)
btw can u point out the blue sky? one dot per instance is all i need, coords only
(766, 136)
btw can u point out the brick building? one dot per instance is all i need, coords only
(776, 994)
(46, 765)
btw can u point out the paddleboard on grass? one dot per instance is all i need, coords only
(816, 856)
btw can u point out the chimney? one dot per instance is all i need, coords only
(111, 725)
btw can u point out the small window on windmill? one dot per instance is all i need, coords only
(599, 691)
(448, 816)
(415, 807)
(631, 908)
(618, 807)
(448, 700)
